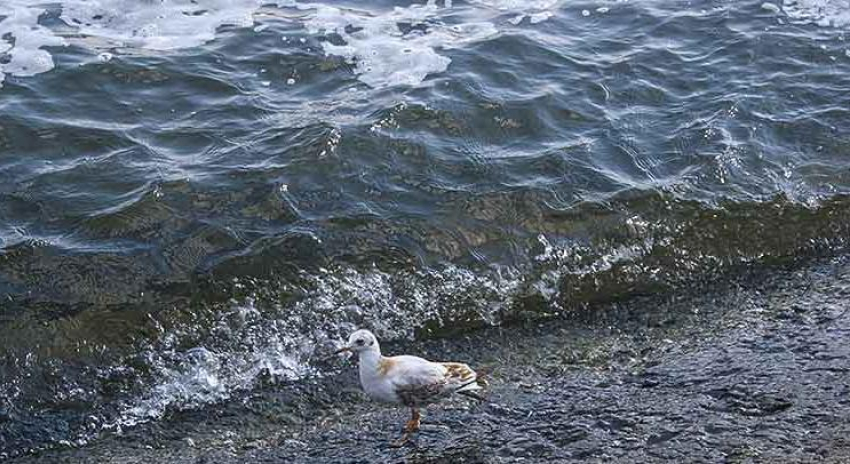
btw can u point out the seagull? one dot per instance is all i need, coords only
(408, 380)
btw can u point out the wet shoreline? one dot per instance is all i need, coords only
(752, 369)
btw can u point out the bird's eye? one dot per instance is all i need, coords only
(361, 342)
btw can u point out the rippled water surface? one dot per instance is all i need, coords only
(197, 196)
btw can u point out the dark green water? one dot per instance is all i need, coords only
(199, 196)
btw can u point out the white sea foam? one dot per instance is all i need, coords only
(535, 10)
(825, 13)
(161, 25)
(23, 40)
(518, 5)
(401, 46)
(385, 55)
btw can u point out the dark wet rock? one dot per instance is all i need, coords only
(740, 401)
(662, 436)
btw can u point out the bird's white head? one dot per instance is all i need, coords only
(360, 341)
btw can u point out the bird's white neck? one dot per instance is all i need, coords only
(370, 356)
(369, 361)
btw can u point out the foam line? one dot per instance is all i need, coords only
(401, 46)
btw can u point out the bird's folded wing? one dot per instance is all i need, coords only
(458, 375)
(417, 381)
(413, 395)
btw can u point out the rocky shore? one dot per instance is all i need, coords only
(752, 369)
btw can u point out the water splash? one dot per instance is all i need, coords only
(254, 340)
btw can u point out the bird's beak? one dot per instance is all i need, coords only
(344, 349)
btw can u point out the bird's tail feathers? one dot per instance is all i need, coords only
(472, 385)
(481, 377)
(474, 396)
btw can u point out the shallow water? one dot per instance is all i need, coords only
(200, 196)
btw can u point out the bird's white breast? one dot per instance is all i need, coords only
(376, 385)
(379, 389)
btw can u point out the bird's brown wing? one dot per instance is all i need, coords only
(458, 375)
(423, 382)
(416, 380)
(415, 395)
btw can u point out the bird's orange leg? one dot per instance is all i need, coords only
(410, 428)
(413, 423)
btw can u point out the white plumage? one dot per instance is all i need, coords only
(408, 380)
